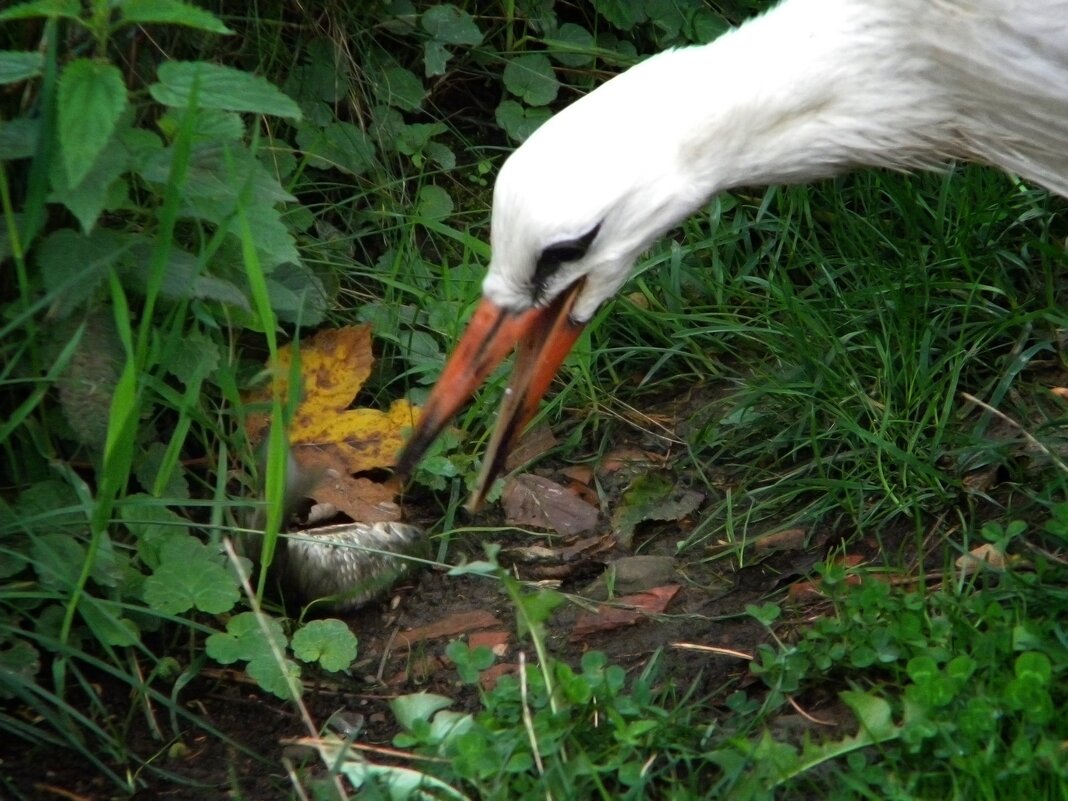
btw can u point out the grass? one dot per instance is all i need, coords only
(814, 344)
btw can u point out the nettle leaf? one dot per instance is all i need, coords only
(18, 65)
(70, 9)
(182, 277)
(572, 45)
(451, 25)
(434, 203)
(518, 121)
(209, 125)
(220, 87)
(198, 357)
(624, 14)
(329, 642)
(217, 178)
(74, 265)
(339, 145)
(274, 243)
(18, 138)
(435, 56)
(531, 78)
(97, 191)
(92, 97)
(190, 575)
(48, 506)
(326, 76)
(297, 294)
(170, 12)
(150, 459)
(401, 88)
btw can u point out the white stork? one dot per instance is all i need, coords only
(808, 90)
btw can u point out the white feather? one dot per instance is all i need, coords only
(810, 89)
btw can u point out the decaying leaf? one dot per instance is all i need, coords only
(329, 439)
(790, 539)
(986, 555)
(360, 498)
(626, 457)
(531, 500)
(334, 364)
(534, 443)
(631, 609)
(652, 496)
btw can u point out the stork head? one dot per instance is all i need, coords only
(573, 208)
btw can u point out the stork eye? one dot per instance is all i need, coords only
(550, 259)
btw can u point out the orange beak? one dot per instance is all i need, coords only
(544, 336)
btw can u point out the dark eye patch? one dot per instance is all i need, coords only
(550, 259)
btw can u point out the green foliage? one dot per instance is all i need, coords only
(329, 642)
(952, 694)
(165, 220)
(259, 641)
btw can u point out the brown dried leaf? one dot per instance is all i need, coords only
(616, 460)
(986, 555)
(582, 473)
(636, 608)
(451, 626)
(531, 500)
(363, 500)
(791, 539)
(534, 443)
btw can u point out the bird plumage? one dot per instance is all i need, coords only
(810, 89)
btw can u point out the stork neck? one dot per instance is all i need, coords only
(809, 90)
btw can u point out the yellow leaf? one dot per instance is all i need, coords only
(334, 364)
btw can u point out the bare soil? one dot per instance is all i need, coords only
(402, 641)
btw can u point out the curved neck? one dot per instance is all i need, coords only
(809, 90)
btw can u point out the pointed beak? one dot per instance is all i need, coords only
(544, 336)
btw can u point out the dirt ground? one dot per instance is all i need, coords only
(402, 649)
(659, 601)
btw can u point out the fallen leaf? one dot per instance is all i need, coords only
(980, 480)
(361, 499)
(630, 609)
(651, 496)
(533, 554)
(531, 500)
(334, 364)
(534, 443)
(582, 473)
(1060, 392)
(496, 640)
(632, 574)
(616, 460)
(488, 678)
(986, 555)
(451, 626)
(791, 539)
(328, 440)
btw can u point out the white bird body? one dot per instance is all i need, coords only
(810, 89)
